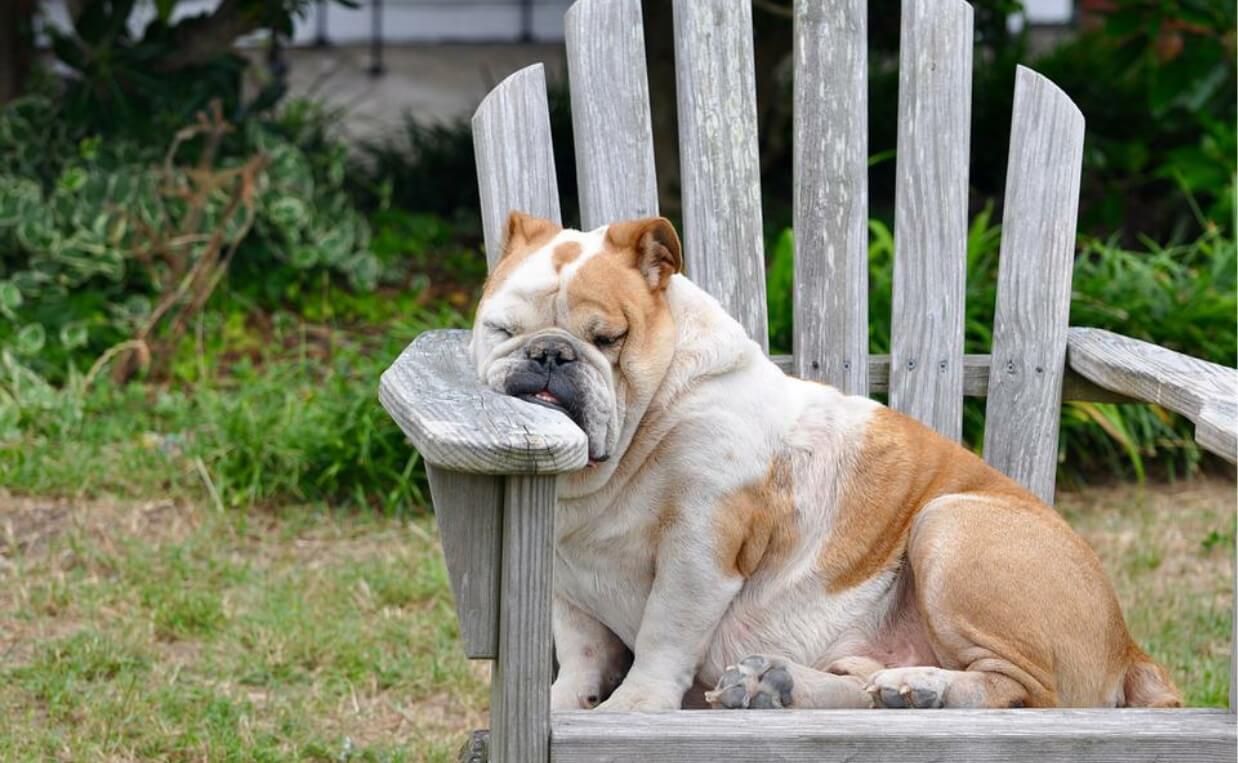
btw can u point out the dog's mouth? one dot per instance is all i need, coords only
(547, 399)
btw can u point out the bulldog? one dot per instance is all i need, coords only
(785, 543)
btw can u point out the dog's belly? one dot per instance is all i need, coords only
(799, 620)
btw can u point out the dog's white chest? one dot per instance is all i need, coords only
(608, 576)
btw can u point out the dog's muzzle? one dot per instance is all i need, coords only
(549, 376)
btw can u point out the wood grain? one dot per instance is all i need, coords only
(1204, 392)
(520, 683)
(830, 147)
(514, 154)
(433, 393)
(611, 124)
(930, 216)
(1033, 284)
(907, 736)
(975, 379)
(469, 512)
(720, 172)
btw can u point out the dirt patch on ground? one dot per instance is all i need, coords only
(28, 524)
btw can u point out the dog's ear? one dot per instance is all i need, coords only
(656, 245)
(521, 229)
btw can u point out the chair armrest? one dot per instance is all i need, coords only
(1206, 393)
(433, 393)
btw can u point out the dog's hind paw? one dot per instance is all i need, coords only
(757, 682)
(919, 687)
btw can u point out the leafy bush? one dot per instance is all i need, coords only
(122, 237)
(429, 168)
(148, 87)
(1156, 82)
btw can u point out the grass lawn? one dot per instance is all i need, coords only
(135, 631)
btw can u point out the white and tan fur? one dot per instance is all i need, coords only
(730, 510)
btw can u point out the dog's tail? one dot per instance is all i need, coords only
(1147, 683)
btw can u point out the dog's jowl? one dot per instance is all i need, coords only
(773, 539)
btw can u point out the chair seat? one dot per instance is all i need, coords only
(1128, 735)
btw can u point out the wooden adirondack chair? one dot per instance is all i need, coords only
(492, 460)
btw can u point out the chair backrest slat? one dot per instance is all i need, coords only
(1033, 286)
(831, 193)
(930, 215)
(515, 155)
(720, 173)
(611, 125)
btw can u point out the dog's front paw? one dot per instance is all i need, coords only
(571, 695)
(634, 696)
(757, 682)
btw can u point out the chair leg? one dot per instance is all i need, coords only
(520, 690)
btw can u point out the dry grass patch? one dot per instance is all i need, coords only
(1170, 551)
(161, 630)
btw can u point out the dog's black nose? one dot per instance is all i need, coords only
(550, 352)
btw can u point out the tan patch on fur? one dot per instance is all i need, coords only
(1001, 585)
(1147, 684)
(755, 525)
(565, 253)
(900, 466)
(525, 236)
(652, 246)
(668, 515)
(608, 292)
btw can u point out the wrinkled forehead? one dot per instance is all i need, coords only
(525, 284)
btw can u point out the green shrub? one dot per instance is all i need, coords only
(148, 87)
(86, 258)
(429, 168)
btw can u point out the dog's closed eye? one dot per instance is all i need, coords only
(603, 342)
(502, 331)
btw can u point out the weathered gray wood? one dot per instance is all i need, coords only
(514, 154)
(1204, 392)
(469, 511)
(830, 339)
(720, 173)
(1033, 284)
(520, 683)
(930, 215)
(908, 736)
(433, 393)
(611, 125)
(975, 379)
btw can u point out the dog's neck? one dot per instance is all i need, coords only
(708, 343)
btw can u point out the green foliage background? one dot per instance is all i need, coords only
(357, 248)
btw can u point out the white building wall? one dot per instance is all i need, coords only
(402, 20)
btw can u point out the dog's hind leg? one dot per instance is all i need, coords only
(1016, 608)
(763, 682)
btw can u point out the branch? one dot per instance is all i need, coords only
(201, 39)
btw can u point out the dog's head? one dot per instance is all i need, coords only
(579, 321)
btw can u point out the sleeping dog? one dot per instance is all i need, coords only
(785, 543)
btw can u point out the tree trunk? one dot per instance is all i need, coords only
(15, 46)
